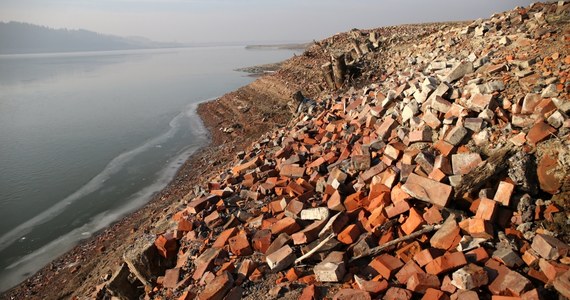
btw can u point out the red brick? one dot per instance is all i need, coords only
(407, 252)
(353, 201)
(539, 132)
(487, 209)
(396, 208)
(477, 255)
(425, 256)
(397, 194)
(562, 284)
(287, 225)
(261, 240)
(413, 222)
(445, 237)
(420, 282)
(205, 262)
(245, 269)
(309, 293)
(385, 129)
(166, 245)
(335, 202)
(217, 288)
(504, 193)
(446, 285)
(395, 293)
(427, 190)
(433, 294)
(386, 265)
(239, 245)
(185, 224)
(549, 247)
(547, 175)
(171, 277)
(478, 228)
(409, 269)
(463, 163)
(437, 175)
(446, 263)
(309, 233)
(292, 170)
(444, 147)
(432, 215)
(509, 282)
(294, 208)
(250, 165)
(224, 236)
(349, 235)
(371, 286)
(350, 294)
(465, 295)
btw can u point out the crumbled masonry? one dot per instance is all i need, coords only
(466, 131)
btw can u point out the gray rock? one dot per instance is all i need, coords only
(145, 262)
(522, 170)
(121, 287)
(459, 71)
(549, 91)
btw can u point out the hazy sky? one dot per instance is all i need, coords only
(241, 20)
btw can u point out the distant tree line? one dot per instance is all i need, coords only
(16, 37)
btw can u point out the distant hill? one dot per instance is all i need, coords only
(16, 37)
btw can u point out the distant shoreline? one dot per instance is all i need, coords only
(291, 46)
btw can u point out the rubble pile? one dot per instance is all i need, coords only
(446, 177)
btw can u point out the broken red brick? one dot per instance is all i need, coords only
(427, 190)
(166, 245)
(309, 293)
(395, 293)
(286, 225)
(261, 240)
(487, 209)
(413, 222)
(349, 235)
(445, 263)
(217, 288)
(434, 294)
(444, 238)
(224, 236)
(549, 247)
(239, 245)
(420, 282)
(351, 294)
(504, 193)
(385, 265)
(509, 282)
(409, 269)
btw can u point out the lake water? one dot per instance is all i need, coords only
(86, 138)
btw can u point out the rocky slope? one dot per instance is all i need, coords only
(432, 164)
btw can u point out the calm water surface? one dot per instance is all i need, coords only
(86, 138)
